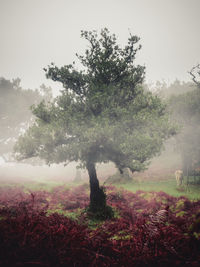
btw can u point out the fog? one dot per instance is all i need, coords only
(24, 173)
(19, 172)
(180, 152)
(36, 33)
(99, 133)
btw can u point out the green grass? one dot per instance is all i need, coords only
(168, 186)
(71, 215)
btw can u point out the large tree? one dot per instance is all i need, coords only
(103, 114)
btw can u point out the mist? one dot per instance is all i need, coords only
(172, 156)
(99, 133)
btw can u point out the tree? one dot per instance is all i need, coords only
(77, 177)
(176, 88)
(15, 113)
(186, 111)
(120, 177)
(103, 114)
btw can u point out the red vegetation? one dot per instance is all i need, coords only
(29, 236)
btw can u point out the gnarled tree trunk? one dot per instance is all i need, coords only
(97, 195)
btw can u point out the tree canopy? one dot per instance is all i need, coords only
(103, 113)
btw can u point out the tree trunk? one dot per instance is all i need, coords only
(97, 195)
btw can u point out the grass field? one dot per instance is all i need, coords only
(191, 191)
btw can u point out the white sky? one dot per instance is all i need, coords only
(35, 33)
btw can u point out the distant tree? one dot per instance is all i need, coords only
(186, 111)
(103, 114)
(15, 113)
(77, 177)
(119, 177)
(176, 88)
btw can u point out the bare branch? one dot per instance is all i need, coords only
(195, 73)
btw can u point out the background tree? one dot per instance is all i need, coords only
(119, 177)
(186, 111)
(176, 88)
(103, 114)
(77, 178)
(15, 113)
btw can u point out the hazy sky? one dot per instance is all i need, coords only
(35, 33)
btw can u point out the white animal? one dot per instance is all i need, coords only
(179, 177)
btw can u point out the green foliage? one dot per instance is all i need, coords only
(180, 204)
(103, 113)
(181, 213)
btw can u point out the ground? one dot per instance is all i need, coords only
(45, 224)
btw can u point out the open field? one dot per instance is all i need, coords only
(191, 191)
